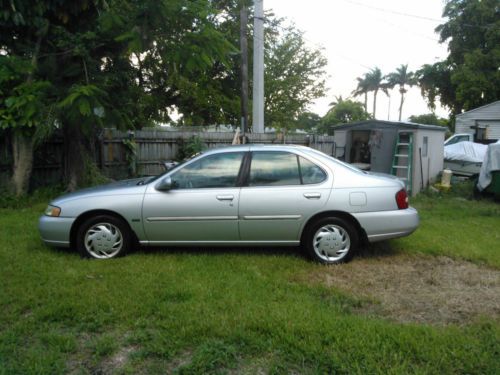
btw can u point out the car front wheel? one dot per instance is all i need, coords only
(103, 237)
(331, 240)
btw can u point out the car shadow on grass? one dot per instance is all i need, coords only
(376, 250)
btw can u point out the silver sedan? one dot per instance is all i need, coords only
(249, 195)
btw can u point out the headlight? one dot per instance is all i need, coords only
(52, 211)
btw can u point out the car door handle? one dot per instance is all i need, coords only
(225, 197)
(312, 195)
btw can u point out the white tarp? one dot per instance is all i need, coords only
(465, 151)
(491, 163)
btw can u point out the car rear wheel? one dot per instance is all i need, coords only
(331, 240)
(103, 237)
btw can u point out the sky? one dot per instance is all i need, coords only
(357, 35)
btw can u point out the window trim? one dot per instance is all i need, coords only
(300, 169)
(244, 174)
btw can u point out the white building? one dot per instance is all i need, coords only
(483, 122)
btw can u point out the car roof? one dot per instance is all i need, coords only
(256, 147)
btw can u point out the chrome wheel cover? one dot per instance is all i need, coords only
(331, 243)
(103, 240)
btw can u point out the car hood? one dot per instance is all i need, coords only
(131, 186)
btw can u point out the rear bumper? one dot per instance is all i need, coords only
(55, 231)
(384, 225)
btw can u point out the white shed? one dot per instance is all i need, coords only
(483, 122)
(413, 152)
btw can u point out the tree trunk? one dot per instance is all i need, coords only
(366, 102)
(75, 154)
(22, 150)
(401, 105)
(375, 103)
(22, 145)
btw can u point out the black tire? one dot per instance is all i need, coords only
(341, 232)
(112, 231)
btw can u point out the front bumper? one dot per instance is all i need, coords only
(55, 231)
(383, 225)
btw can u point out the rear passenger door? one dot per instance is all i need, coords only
(281, 191)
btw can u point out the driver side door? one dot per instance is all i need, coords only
(201, 207)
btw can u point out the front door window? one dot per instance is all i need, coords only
(213, 171)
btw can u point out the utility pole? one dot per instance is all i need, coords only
(258, 68)
(244, 67)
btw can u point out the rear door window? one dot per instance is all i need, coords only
(280, 168)
(274, 168)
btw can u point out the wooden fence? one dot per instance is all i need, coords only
(153, 148)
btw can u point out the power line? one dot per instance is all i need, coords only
(393, 11)
(410, 31)
(346, 58)
(413, 15)
(319, 45)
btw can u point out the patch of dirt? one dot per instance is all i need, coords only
(181, 359)
(117, 361)
(436, 290)
(82, 361)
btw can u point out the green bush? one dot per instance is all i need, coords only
(10, 200)
(190, 147)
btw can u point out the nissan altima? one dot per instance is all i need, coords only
(248, 195)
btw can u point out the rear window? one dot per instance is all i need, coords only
(311, 173)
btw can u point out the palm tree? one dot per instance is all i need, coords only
(402, 78)
(362, 89)
(375, 82)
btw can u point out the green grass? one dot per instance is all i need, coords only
(456, 227)
(201, 311)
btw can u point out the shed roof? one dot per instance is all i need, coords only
(397, 124)
(482, 108)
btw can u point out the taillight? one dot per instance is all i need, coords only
(402, 199)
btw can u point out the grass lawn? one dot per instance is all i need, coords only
(233, 311)
(456, 227)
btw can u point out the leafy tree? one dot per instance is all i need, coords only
(23, 96)
(344, 112)
(115, 63)
(402, 78)
(375, 82)
(294, 75)
(429, 119)
(307, 121)
(79, 66)
(469, 77)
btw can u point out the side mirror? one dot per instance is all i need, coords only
(165, 184)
